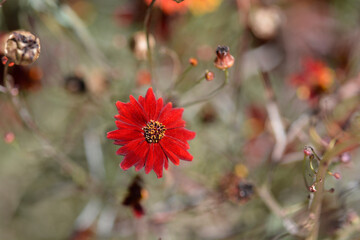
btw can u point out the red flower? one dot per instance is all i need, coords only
(150, 134)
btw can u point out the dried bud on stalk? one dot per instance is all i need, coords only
(209, 76)
(139, 46)
(22, 47)
(223, 60)
(193, 62)
(308, 151)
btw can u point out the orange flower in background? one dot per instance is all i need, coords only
(199, 7)
(170, 7)
(314, 79)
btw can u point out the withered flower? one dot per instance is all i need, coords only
(22, 47)
(136, 193)
(223, 60)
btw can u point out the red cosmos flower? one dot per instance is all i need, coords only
(150, 134)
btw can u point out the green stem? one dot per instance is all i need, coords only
(147, 32)
(77, 173)
(182, 76)
(213, 93)
(315, 207)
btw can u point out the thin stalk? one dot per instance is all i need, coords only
(147, 33)
(315, 207)
(77, 173)
(213, 93)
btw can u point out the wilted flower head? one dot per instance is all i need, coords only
(150, 134)
(22, 47)
(314, 79)
(223, 60)
(136, 193)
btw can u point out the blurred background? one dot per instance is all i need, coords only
(295, 82)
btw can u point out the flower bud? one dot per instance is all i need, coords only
(193, 62)
(308, 151)
(345, 157)
(22, 47)
(209, 76)
(138, 45)
(9, 137)
(223, 58)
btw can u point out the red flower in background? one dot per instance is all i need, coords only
(314, 79)
(150, 134)
(170, 6)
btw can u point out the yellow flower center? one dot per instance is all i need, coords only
(154, 131)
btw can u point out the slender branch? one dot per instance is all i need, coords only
(78, 174)
(315, 207)
(274, 206)
(275, 119)
(147, 32)
(213, 93)
(2, 2)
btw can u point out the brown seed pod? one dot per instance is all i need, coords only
(22, 47)
(223, 60)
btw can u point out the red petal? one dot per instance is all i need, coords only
(175, 160)
(121, 124)
(139, 110)
(141, 100)
(130, 147)
(150, 104)
(174, 147)
(135, 156)
(165, 110)
(128, 114)
(150, 159)
(159, 106)
(182, 144)
(159, 160)
(172, 118)
(124, 134)
(181, 134)
(166, 163)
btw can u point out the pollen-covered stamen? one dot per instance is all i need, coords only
(154, 131)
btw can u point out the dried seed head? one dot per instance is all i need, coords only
(139, 46)
(209, 76)
(22, 47)
(223, 60)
